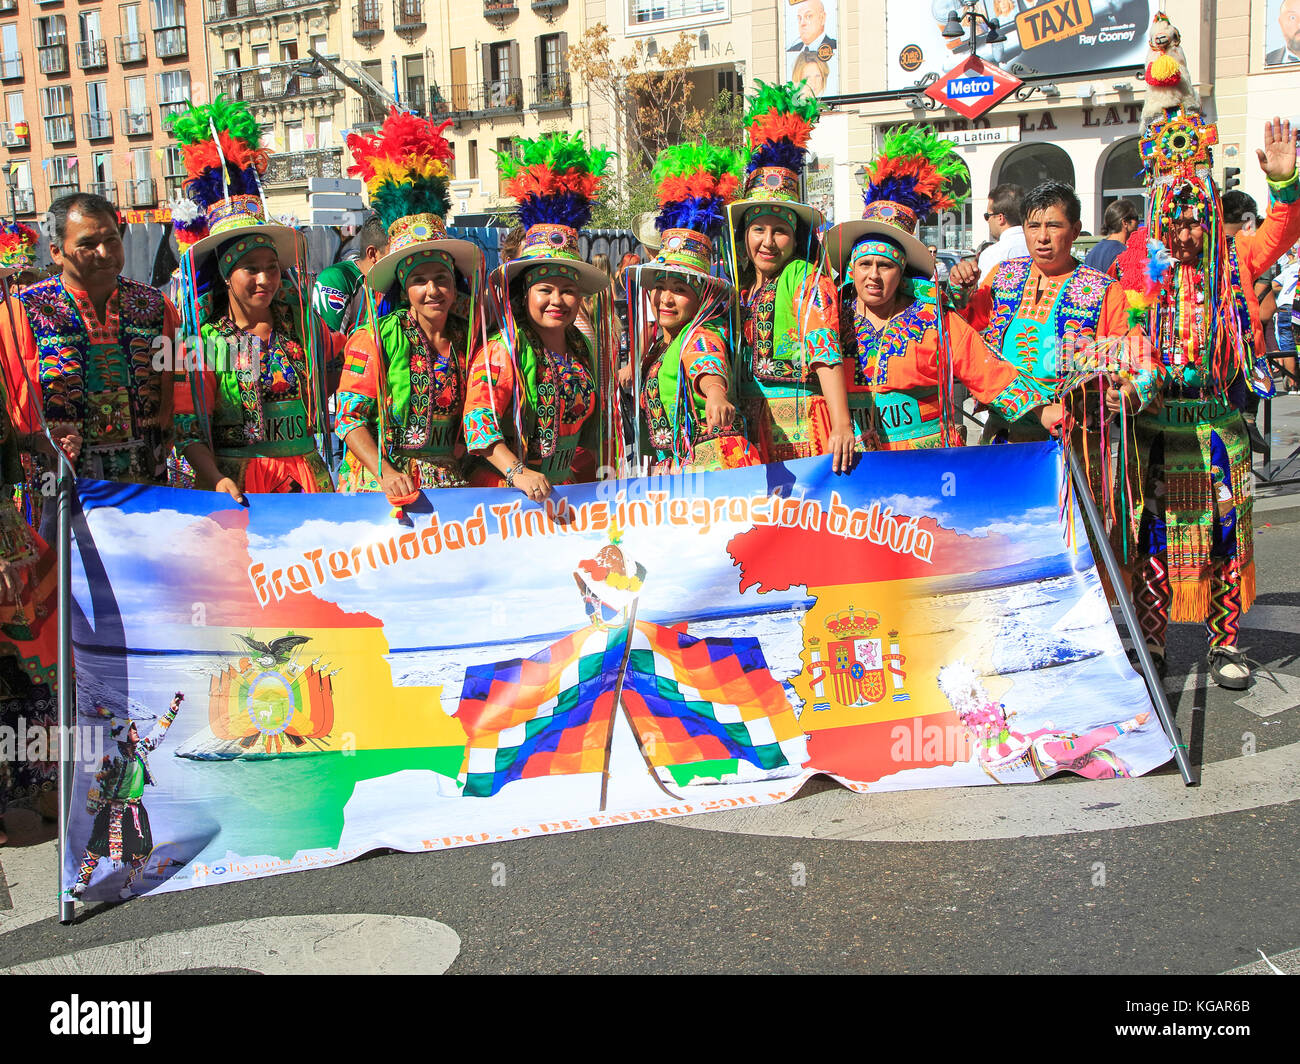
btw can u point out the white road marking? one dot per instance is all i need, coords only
(349, 944)
(1288, 962)
(1271, 693)
(1012, 812)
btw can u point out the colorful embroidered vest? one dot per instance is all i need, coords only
(1036, 346)
(108, 390)
(426, 393)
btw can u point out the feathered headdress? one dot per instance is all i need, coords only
(554, 179)
(404, 165)
(914, 174)
(17, 246)
(1143, 268)
(221, 143)
(693, 184)
(778, 121)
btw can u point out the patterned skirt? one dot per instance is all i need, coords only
(300, 473)
(787, 424)
(121, 832)
(441, 471)
(1193, 471)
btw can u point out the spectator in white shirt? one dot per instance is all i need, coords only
(1004, 220)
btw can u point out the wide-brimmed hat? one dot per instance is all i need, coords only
(913, 176)
(221, 207)
(779, 120)
(554, 179)
(17, 247)
(404, 166)
(694, 183)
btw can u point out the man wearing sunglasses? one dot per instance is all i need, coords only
(1006, 227)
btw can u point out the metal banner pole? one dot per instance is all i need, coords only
(67, 684)
(1101, 542)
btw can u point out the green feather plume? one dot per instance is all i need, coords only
(683, 159)
(557, 151)
(787, 99)
(229, 116)
(392, 200)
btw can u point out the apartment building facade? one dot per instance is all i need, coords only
(259, 51)
(86, 89)
(496, 68)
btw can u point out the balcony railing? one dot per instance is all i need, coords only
(53, 58)
(130, 49)
(11, 66)
(60, 130)
(367, 21)
(63, 188)
(408, 15)
(22, 200)
(172, 183)
(142, 192)
(295, 167)
(275, 82)
(8, 7)
(365, 113)
(169, 42)
(167, 108)
(137, 123)
(503, 95)
(551, 91)
(548, 8)
(500, 8)
(92, 54)
(16, 134)
(107, 189)
(96, 125)
(223, 10)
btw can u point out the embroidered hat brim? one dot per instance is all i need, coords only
(465, 254)
(739, 209)
(839, 240)
(290, 245)
(589, 279)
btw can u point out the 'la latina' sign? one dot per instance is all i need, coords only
(973, 87)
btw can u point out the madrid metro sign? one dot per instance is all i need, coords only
(973, 87)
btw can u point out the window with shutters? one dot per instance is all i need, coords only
(502, 86)
(551, 85)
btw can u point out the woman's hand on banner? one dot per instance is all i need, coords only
(840, 447)
(71, 445)
(533, 484)
(396, 485)
(232, 489)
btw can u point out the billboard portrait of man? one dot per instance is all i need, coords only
(812, 52)
(1282, 33)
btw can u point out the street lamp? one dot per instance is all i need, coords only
(952, 29)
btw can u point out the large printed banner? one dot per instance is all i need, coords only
(480, 668)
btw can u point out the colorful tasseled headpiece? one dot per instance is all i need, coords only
(780, 120)
(1143, 268)
(554, 179)
(916, 168)
(404, 166)
(17, 245)
(694, 183)
(224, 161)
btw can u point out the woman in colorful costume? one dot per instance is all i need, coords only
(688, 420)
(899, 358)
(418, 354)
(28, 586)
(533, 389)
(1194, 536)
(790, 385)
(248, 420)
